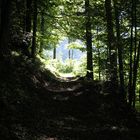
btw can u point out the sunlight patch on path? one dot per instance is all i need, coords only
(47, 138)
(67, 75)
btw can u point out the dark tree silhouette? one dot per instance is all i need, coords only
(89, 41)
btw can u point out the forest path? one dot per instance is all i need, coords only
(42, 107)
(64, 87)
(72, 110)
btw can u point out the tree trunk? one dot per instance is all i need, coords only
(0, 14)
(69, 54)
(120, 48)
(28, 15)
(136, 56)
(4, 26)
(136, 65)
(99, 59)
(131, 55)
(72, 52)
(42, 28)
(34, 29)
(54, 53)
(111, 45)
(88, 41)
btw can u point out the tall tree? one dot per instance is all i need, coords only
(34, 28)
(130, 90)
(4, 26)
(99, 59)
(135, 71)
(89, 40)
(120, 49)
(42, 29)
(111, 43)
(28, 15)
(0, 14)
(136, 55)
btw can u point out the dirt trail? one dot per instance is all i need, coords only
(37, 106)
(77, 112)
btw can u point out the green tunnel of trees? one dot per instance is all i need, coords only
(111, 26)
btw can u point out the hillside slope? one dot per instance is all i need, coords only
(36, 105)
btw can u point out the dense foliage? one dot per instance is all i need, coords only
(109, 30)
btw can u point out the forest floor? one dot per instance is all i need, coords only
(35, 105)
